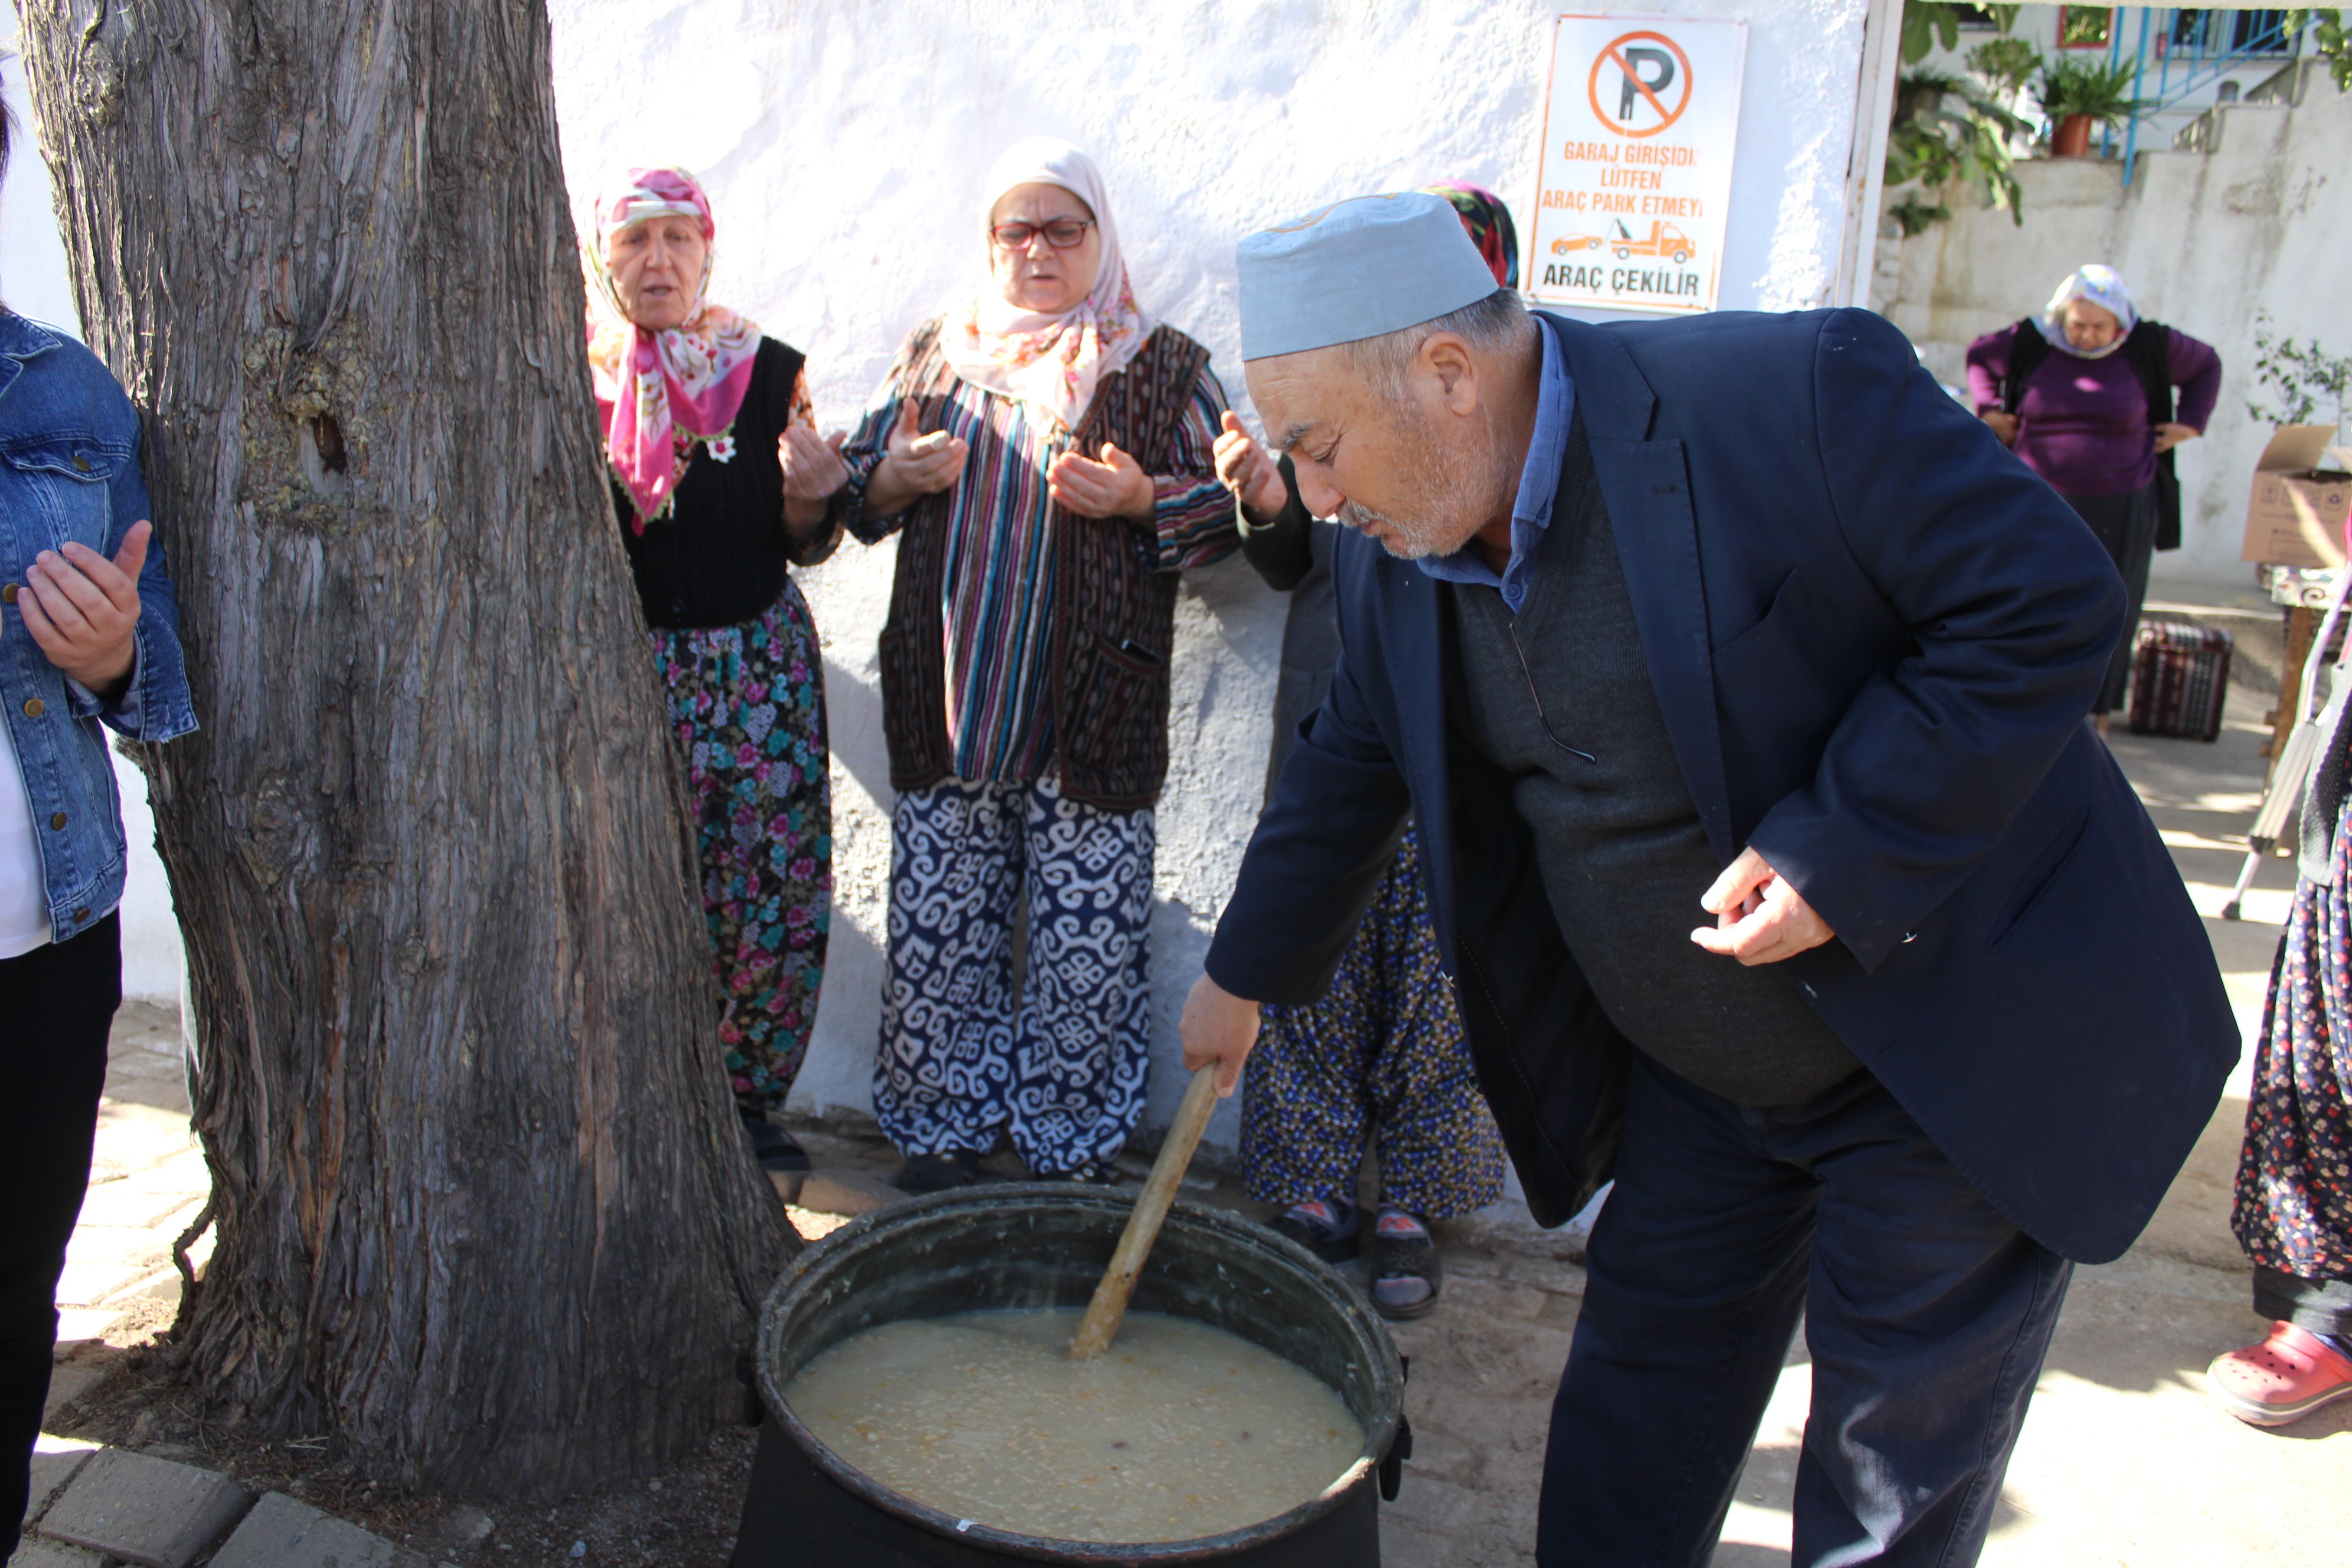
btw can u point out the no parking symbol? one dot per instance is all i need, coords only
(1647, 84)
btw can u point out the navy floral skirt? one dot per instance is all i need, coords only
(2294, 1210)
(747, 703)
(1382, 1050)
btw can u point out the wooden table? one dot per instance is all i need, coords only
(2301, 624)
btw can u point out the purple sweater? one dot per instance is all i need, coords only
(2083, 422)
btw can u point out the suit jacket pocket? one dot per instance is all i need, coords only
(1768, 630)
(1777, 700)
(2040, 875)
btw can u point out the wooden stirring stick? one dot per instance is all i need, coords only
(1105, 1313)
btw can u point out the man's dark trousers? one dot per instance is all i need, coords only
(1927, 1314)
(57, 1004)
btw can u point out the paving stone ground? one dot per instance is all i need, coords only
(55, 1462)
(280, 1532)
(2122, 1463)
(36, 1553)
(138, 1509)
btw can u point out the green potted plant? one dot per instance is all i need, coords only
(2080, 97)
(1948, 129)
(2006, 65)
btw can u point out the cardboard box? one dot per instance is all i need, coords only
(2302, 494)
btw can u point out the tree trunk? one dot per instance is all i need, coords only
(483, 1204)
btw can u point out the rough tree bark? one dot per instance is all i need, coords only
(482, 1203)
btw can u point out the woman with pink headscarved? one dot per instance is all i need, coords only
(721, 484)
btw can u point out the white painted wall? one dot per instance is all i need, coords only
(844, 143)
(2206, 240)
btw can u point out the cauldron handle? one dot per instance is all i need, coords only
(1399, 1445)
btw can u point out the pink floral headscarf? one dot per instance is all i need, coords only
(660, 393)
(1052, 364)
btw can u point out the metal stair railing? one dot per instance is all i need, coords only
(2199, 70)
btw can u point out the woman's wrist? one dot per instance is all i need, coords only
(804, 518)
(1145, 504)
(886, 492)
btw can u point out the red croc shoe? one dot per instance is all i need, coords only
(2283, 1379)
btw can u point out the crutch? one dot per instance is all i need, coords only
(2284, 790)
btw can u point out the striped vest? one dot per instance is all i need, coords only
(1114, 614)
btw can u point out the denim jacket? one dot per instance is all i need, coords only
(69, 470)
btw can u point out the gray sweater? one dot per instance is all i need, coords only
(1619, 843)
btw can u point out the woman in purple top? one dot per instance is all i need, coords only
(2085, 394)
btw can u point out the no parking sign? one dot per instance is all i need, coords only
(1641, 124)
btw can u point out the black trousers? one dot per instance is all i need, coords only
(2322, 1306)
(56, 1006)
(2126, 525)
(1928, 1315)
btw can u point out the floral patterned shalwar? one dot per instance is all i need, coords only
(748, 706)
(1383, 1045)
(2293, 1212)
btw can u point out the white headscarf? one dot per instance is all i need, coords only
(2102, 286)
(1051, 362)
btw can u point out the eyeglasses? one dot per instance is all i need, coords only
(1062, 234)
(1543, 717)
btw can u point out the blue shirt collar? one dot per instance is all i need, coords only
(1538, 482)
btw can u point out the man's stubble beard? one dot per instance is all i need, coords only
(1456, 492)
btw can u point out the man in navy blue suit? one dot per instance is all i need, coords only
(1735, 617)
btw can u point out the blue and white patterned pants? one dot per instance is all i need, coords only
(1064, 1070)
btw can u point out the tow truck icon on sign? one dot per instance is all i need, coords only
(1663, 239)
